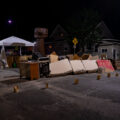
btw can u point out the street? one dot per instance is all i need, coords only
(90, 99)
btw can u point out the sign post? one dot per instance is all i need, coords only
(75, 41)
(74, 46)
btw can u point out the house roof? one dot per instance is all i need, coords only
(105, 31)
(56, 28)
(106, 42)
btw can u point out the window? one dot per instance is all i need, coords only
(61, 34)
(89, 47)
(104, 50)
(96, 48)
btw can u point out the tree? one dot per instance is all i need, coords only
(83, 26)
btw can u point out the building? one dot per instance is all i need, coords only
(57, 41)
(105, 33)
(110, 47)
(107, 45)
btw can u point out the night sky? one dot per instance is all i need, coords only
(27, 16)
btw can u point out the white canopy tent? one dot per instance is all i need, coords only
(15, 41)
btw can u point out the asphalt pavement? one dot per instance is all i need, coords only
(90, 99)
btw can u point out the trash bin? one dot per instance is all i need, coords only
(44, 69)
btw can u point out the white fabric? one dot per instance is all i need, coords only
(53, 58)
(60, 67)
(3, 56)
(90, 65)
(77, 66)
(12, 40)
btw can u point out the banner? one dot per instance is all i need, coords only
(105, 64)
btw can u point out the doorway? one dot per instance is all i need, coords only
(114, 54)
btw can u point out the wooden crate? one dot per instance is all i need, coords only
(10, 61)
(29, 70)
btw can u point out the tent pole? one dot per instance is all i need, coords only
(20, 51)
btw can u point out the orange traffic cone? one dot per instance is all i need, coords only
(108, 75)
(76, 81)
(116, 74)
(16, 89)
(46, 85)
(98, 77)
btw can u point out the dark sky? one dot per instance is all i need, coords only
(28, 15)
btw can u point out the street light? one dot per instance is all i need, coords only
(12, 26)
(10, 21)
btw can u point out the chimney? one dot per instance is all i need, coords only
(40, 34)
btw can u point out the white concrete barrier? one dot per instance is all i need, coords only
(61, 67)
(77, 66)
(90, 65)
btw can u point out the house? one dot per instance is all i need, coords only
(107, 45)
(110, 47)
(57, 41)
(105, 33)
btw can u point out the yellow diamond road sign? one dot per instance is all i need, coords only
(75, 41)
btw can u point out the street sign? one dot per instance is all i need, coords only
(75, 41)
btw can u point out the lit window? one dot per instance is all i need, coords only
(61, 34)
